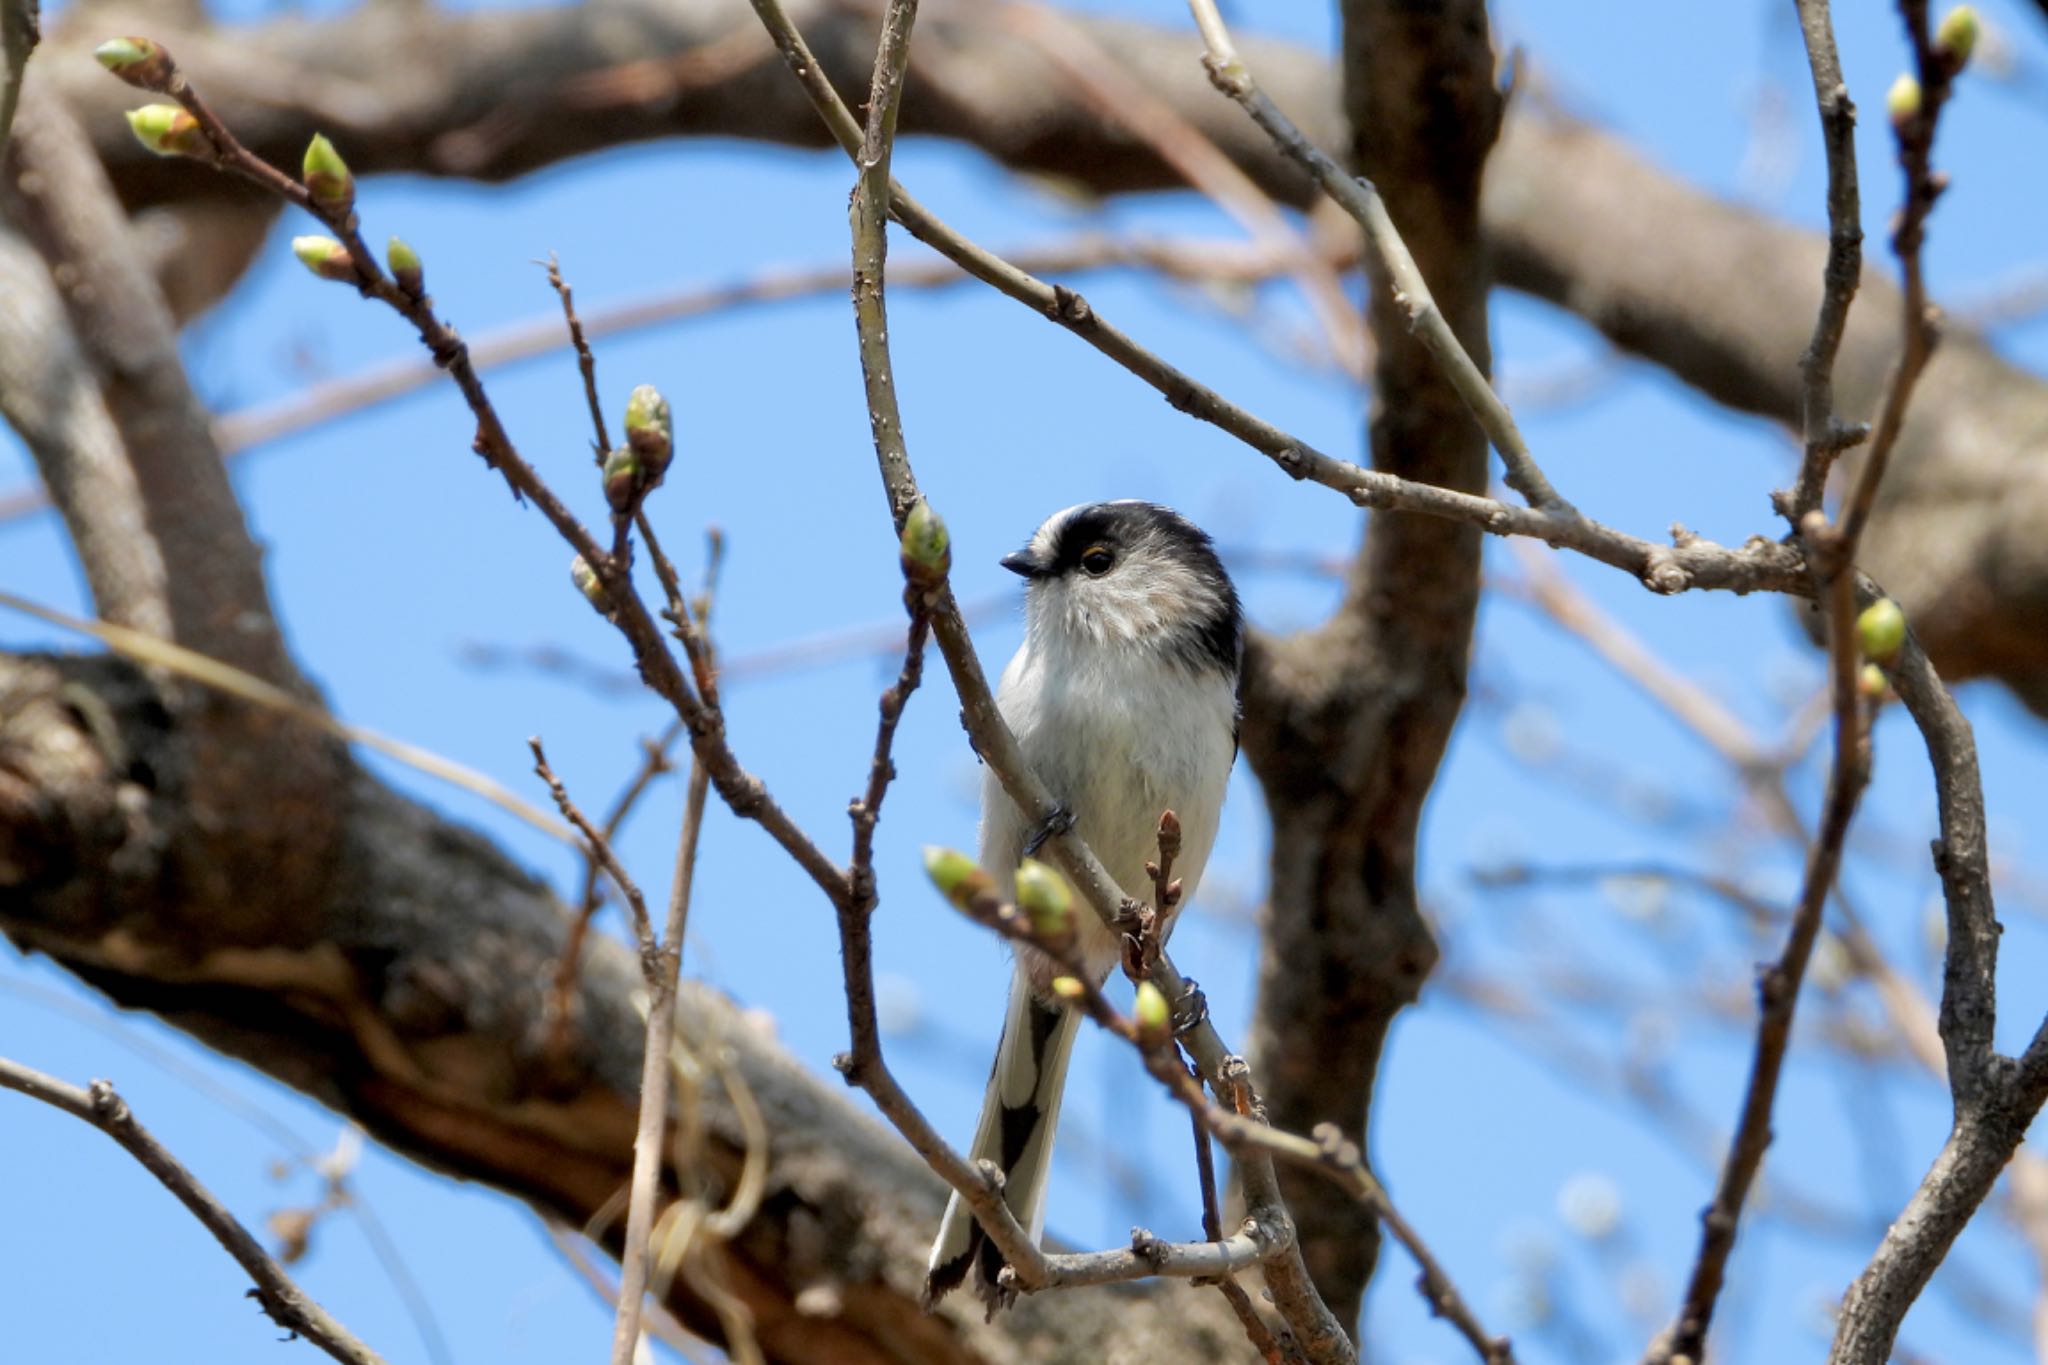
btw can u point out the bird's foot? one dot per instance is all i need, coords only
(1059, 822)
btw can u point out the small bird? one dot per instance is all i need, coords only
(1124, 700)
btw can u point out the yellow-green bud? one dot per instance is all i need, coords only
(959, 878)
(325, 257)
(649, 430)
(138, 61)
(1043, 895)
(168, 130)
(1956, 38)
(1151, 1012)
(405, 267)
(327, 176)
(1872, 683)
(1881, 630)
(927, 548)
(1068, 988)
(1902, 101)
(586, 581)
(623, 479)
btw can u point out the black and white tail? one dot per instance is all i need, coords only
(1018, 1117)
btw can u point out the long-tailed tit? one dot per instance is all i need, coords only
(1123, 698)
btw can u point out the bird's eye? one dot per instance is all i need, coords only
(1097, 559)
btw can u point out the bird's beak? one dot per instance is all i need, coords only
(1024, 563)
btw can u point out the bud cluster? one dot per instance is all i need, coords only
(636, 468)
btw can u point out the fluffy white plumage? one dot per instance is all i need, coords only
(1123, 698)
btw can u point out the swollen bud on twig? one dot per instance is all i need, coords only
(405, 268)
(959, 878)
(168, 130)
(1153, 1018)
(623, 480)
(926, 547)
(327, 176)
(325, 257)
(586, 580)
(1068, 988)
(1044, 897)
(649, 431)
(1881, 630)
(1872, 683)
(1956, 38)
(1902, 101)
(138, 61)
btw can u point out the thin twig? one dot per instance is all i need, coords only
(662, 973)
(1779, 988)
(1357, 197)
(1825, 435)
(1124, 99)
(282, 1299)
(1255, 1329)
(586, 362)
(599, 848)
(654, 762)
(1760, 767)
(1195, 260)
(660, 1322)
(1918, 326)
(1693, 563)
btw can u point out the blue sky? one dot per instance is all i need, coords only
(392, 553)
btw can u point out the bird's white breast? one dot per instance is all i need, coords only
(1119, 735)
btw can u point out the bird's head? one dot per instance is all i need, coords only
(1130, 575)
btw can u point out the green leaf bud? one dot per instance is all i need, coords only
(959, 878)
(1044, 897)
(927, 549)
(1872, 683)
(1956, 37)
(1902, 101)
(168, 130)
(325, 257)
(1068, 988)
(138, 61)
(1154, 1018)
(327, 176)
(1881, 630)
(624, 480)
(586, 580)
(649, 430)
(405, 267)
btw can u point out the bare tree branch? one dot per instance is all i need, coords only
(288, 1305)
(1824, 434)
